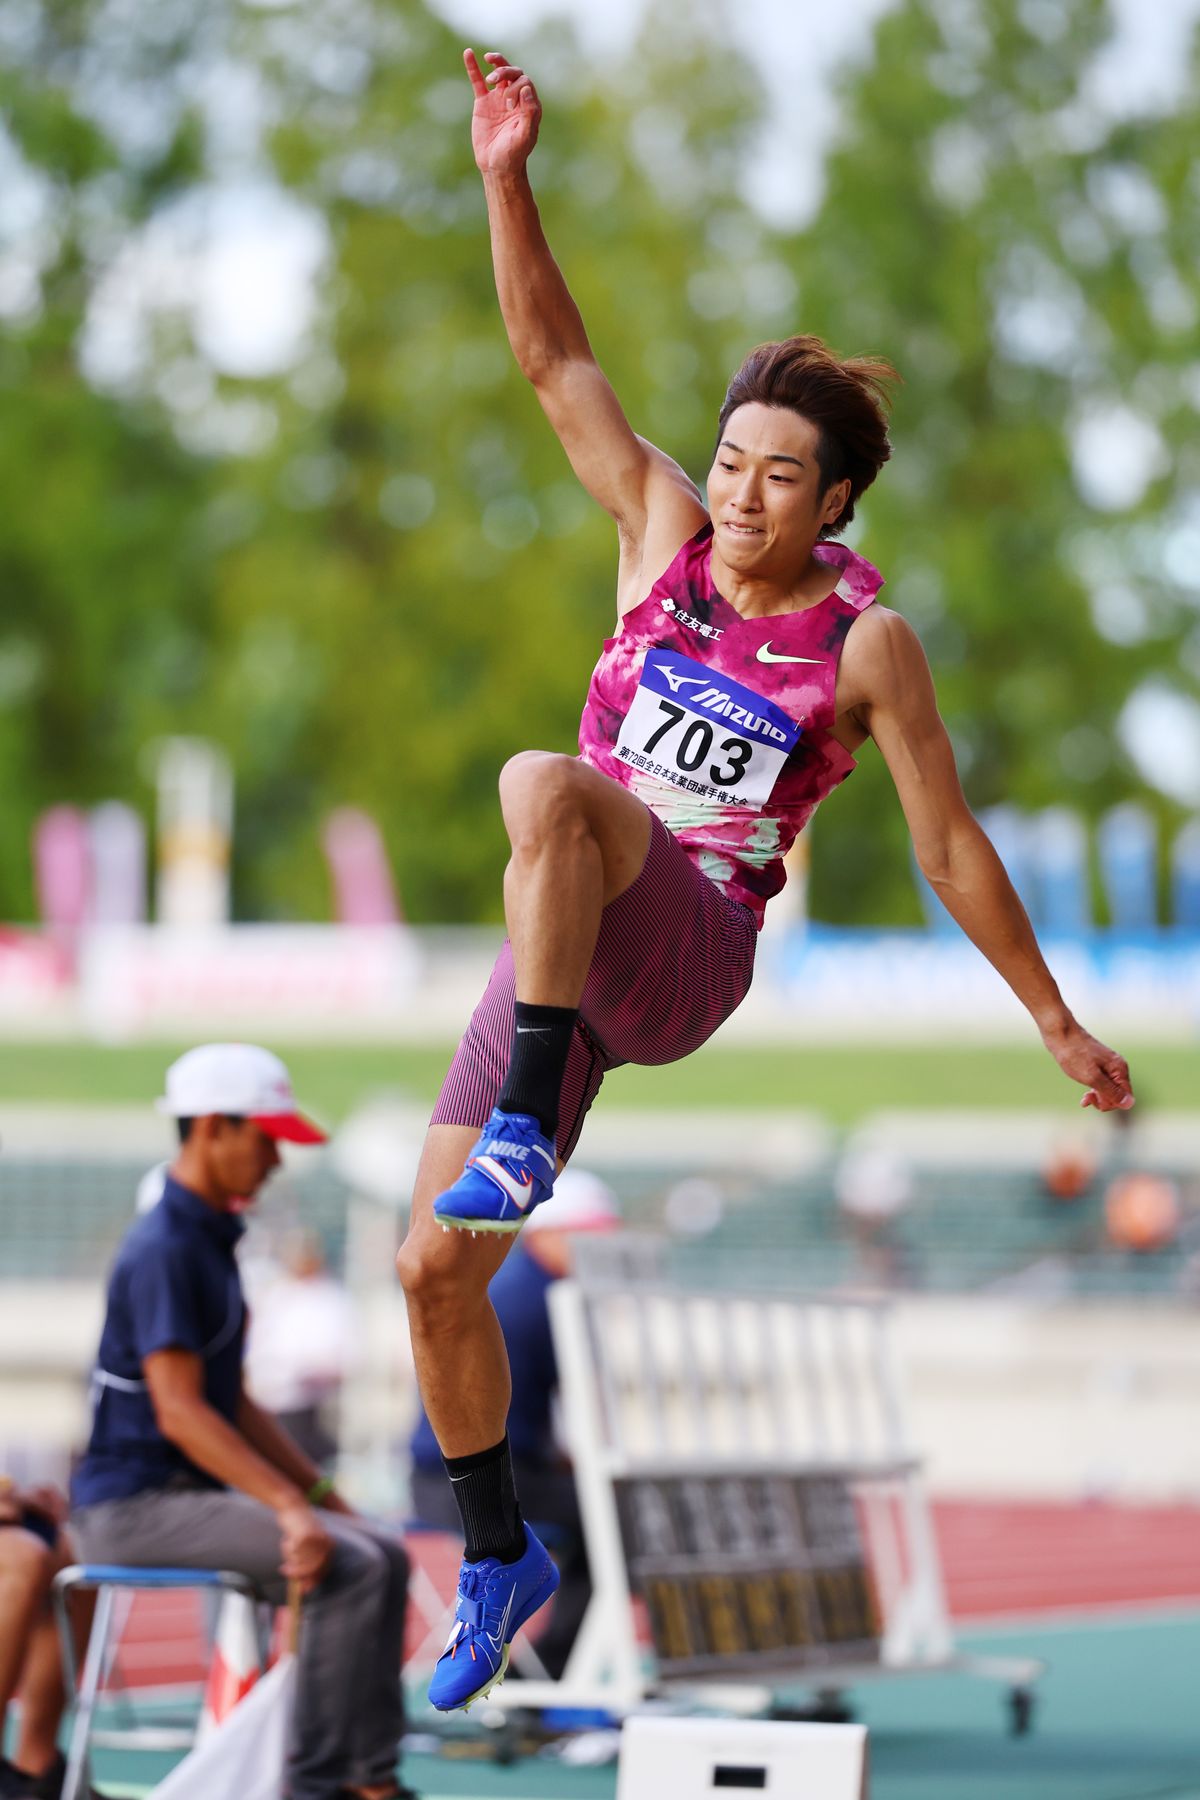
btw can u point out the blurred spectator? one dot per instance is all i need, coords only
(183, 1469)
(693, 1207)
(540, 1257)
(1069, 1170)
(34, 1546)
(874, 1187)
(1142, 1212)
(150, 1188)
(301, 1346)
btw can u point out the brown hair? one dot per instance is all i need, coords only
(846, 398)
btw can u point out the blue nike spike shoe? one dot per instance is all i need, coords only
(494, 1601)
(509, 1172)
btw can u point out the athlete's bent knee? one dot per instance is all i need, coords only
(541, 791)
(440, 1285)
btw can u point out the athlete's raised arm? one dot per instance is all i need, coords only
(655, 505)
(888, 687)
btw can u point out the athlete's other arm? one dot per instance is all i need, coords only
(884, 662)
(655, 505)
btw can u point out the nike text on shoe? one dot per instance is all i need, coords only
(509, 1172)
(494, 1601)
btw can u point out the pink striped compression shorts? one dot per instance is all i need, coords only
(673, 959)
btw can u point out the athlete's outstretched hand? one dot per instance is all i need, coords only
(1100, 1070)
(506, 115)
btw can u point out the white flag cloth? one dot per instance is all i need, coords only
(244, 1755)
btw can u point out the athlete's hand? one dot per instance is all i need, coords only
(1094, 1066)
(505, 117)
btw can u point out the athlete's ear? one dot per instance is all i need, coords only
(836, 499)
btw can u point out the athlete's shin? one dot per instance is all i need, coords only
(458, 1350)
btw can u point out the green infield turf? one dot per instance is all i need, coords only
(842, 1081)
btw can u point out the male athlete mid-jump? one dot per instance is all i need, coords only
(751, 660)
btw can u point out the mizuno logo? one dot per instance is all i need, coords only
(765, 654)
(675, 682)
(716, 700)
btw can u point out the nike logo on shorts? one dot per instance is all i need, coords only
(765, 654)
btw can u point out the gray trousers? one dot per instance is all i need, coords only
(348, 1717)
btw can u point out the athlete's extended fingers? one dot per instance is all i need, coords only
(1111, 1082)
(1111, 1090)
(504, 76)
(478, 84)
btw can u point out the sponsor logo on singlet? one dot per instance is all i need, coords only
(682, 617)
(704, 733)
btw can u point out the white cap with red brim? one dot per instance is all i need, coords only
(240, 1081)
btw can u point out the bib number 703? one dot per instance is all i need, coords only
(695, 746)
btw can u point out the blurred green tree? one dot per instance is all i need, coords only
(103, 575)
(1027, 261)
(365, 567)
(422, 546)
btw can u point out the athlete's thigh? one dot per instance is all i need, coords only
(617, 819)
(620, 824)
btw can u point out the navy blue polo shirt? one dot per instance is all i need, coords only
(518, 1292)
(174, 1286)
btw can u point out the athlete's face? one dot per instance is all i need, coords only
(765, 492)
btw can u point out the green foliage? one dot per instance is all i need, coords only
(372, 578)
(968, 235)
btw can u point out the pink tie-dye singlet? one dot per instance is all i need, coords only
(722, 725)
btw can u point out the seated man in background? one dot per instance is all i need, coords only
(540, 1257)
(183, 1469)
(33, 1548)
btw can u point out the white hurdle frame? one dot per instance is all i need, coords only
(661, 1380)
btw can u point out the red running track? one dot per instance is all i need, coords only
(1028, 1557)
(1010, 1559)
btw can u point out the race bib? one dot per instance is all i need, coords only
(704, 733)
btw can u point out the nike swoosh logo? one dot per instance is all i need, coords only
(517, 1189)
(764, 653)
(498, 1641)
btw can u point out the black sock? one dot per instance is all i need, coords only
(487, 1502)
(541, 1042)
